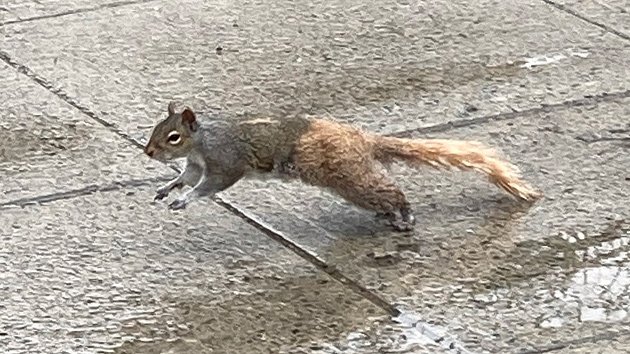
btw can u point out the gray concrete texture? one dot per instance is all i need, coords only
(90, 264)
(613, 15)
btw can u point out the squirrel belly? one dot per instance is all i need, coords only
(319, 152)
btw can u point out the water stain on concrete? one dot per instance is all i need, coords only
(335, 86)
(274, 315)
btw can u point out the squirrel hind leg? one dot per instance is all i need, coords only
(375, 191)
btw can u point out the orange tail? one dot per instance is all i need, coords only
(464, 155)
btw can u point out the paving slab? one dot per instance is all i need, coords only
(51, 147)
(497, 276)
(114, 273)
(20, 10)
(385, 65)
(612, 13)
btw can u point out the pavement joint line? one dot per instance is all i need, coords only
(87, 190)
(579, 341)
(513, 115)
(586, 19)
(446, 341)
(23, 69)
(76, 11)
(311, 257)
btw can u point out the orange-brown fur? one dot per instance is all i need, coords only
(345, 159)
(341, 157)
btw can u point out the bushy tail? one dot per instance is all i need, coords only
(464, 155)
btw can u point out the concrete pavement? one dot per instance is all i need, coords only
(90, 264)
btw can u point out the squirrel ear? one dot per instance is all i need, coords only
(171, 108)
(189, 119)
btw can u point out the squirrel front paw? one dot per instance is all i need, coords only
(178, 204)
(164, 191)
(161, 193)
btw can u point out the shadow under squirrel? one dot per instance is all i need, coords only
(318, 152)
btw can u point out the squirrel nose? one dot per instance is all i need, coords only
(149, 151)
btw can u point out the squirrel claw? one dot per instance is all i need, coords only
(405, 223)
(164, 191)
(177, 204)
(402, 226)
(160, 195)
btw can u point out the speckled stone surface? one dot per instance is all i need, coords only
(113, 272)
(614, 14)
(49, 147)
(101, 268)
(479, 264)
(617, 345)
(12, 11)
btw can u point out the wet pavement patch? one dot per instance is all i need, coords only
(498, 275)
(115, 273)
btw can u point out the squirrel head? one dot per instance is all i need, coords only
(173, 137)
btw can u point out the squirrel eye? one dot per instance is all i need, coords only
(174, 137)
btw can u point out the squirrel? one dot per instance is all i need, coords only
(316, 151)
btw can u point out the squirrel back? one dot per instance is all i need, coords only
(271, 142)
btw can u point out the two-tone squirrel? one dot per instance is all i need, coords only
(318, 152)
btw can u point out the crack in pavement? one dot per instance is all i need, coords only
(586, 19)
(461, 123)
(76, 11)
(91, 189)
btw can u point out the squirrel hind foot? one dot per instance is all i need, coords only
(402, 226)
(406, 222)
(384, 216)
(286, 169)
